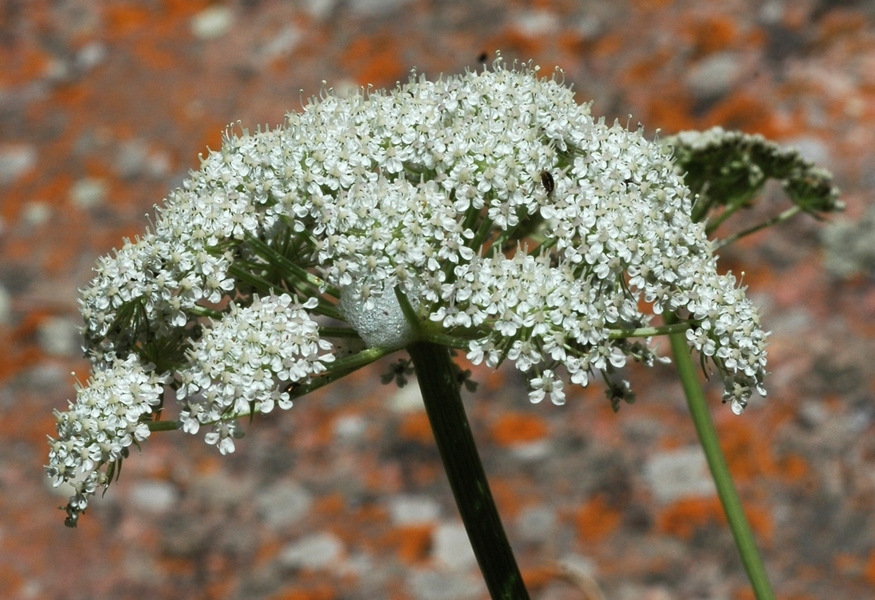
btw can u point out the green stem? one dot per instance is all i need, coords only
(618, 334)
(784, 216)
(744, 540)
(446, 413)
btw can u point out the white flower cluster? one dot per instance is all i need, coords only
(506, 217)
(245, 363)
(107, 417)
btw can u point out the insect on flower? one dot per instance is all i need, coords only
(547, 181)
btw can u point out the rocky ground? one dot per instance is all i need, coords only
(104, 107)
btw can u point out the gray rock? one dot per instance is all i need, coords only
(452, 548)
(212, 22)
(374, 8)
(435, 585)
(536, 524)
(316, 551)
(714, 75)
(284, 503)
(35, 213)
(5, 306)
(59, 336)
(678, 474)
(409, 509)
(88, 192)
(15, 161)
(350, 428)
(155, 496)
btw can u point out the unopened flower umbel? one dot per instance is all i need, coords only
(487, 212)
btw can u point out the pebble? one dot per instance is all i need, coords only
(319, 9)
(811, 148)
(435, 585)
(713, 76)
(350, 428)
(373, 8)
(679, 473)
(59, 336)
(153, 496)
(316, 551)
(212, 23)
(284, 503)
(135, 159)
(407, 509)
(5, 306)
(407, 399)
(532, 451)
(35, 213)
(282, 44)
(536, 524)
(536, 23)
(15, 161)
(451, 547)
(88, 192)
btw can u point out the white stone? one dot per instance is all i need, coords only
(536, 524)
(371, 8)
(536, 23)
(452, 548)
(5, 306)
(59, 336)
(407, 400)
(435, 585)
(15, 161)
(212, 22)
(316, 551)
(714, 75)
(350, 428)
(155, 496)
(284, 503)
(410, 509)
(678, 474)
(88, 192)
(36, 213)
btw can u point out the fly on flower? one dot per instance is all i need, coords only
(547, 181)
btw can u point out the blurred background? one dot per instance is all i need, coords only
(105, 107)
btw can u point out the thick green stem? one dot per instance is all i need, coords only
(744, 540)
(446, 413)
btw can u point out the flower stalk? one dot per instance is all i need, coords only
(455, 442)
(744, 539)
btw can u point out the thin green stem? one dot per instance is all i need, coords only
(744, 539)
(452, 433)
(617, 334)
(784, 216)
(337, 369)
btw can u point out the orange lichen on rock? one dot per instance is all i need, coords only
(748, 453)
(410, 543)
(686, 516)
(711, 33)
(518, 428)
(597, 519)
(374, 60)
(415, 427)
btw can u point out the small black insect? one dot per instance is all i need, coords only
(482, 57)
(292, 388)
(547, 181)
